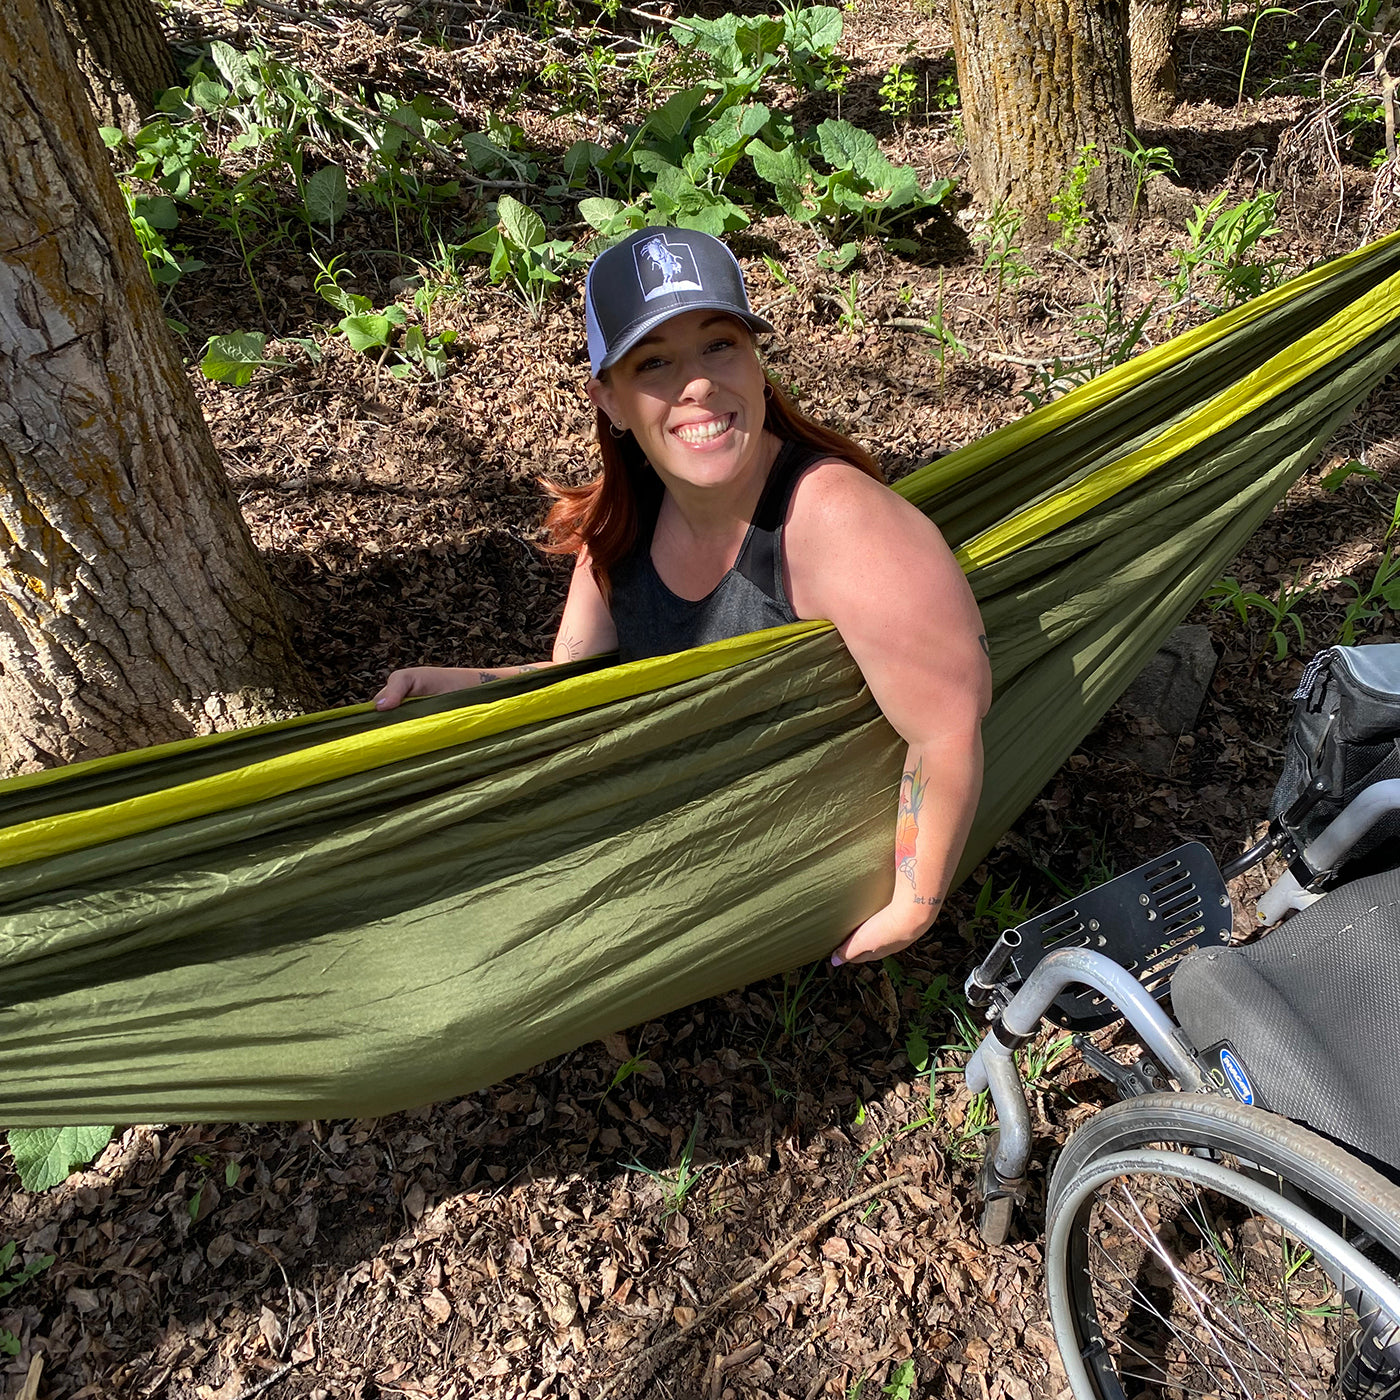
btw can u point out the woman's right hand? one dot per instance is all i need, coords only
(425, 680)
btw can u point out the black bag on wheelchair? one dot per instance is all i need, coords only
(1344, 736)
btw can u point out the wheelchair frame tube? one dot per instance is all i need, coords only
(1365, 809)
(993, 1064)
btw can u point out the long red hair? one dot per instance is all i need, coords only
(602, 516)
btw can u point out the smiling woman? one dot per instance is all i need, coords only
(721, 509)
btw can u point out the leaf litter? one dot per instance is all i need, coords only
(533, 1239)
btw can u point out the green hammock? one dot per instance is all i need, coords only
(353, 913)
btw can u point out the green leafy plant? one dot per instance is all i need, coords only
(1224, 251)
(1260, 14)
(945, 341)
(1068, 205)
(851, 318)
(9, 1282)
(1144, 162)
(1380, 596)
(1338, 476)
(897, 93)
(901, 1384)
(45, 1156)
(861, 189)
(1110, 329)
(1003, 263)
(523, 256)
(235, 358)
(1280, 612)
(679, 1181)
(403, 348)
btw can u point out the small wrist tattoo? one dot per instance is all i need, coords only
(484, 676)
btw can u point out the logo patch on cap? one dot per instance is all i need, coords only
(663, 266)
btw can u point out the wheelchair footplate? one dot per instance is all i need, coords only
(1147, 920)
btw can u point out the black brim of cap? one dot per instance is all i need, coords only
(663, 314)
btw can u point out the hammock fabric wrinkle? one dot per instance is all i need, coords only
(352, 913)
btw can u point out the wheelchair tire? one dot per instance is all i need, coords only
(1198, 1247)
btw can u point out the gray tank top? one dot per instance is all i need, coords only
(653, 621)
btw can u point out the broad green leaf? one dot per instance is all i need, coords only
(326, 194)
(599, 213)
(112, 136)
(45, 1156)
(816, 29)
(207, 95)
(368, 332)
(238, 69)
(916, 1048)
(481, 152)
(581, 159)
(158, 210)
(231, 359)
(522, 226)
(670, 119)
(347, 303)
(849, 147)
(900, 1385)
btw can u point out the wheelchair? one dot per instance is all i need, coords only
(1230, 1226)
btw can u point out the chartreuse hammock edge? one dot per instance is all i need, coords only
(52, 836)
(350, 913)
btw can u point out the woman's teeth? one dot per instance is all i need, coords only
(705, 432)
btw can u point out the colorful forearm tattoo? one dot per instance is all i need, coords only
(906, 831)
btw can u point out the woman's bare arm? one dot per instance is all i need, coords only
(586, 629)
(863, 557)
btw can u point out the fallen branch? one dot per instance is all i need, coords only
(265, 1384)
(648, 1360)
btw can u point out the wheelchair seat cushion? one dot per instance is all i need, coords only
(1313, 1010)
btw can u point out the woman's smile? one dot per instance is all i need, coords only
(704, 432)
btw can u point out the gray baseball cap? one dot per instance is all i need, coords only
(652, 275)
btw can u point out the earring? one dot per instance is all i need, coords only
(617, 432)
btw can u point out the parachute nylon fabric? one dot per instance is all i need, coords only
(518, 873)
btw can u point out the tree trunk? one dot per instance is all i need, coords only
(122, 54)
(1151, 35)
(1040, 80)
(136, 610)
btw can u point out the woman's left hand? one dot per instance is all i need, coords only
(888, 931)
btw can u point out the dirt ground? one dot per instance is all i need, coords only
(757, 1196)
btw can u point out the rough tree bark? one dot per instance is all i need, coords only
(135, 609)
(122, 54)
(1040, 80)
(1152, 26)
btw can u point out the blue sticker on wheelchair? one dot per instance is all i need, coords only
(1238, 1080)
(1222, 1062)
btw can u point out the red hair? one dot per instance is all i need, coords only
(603, 515)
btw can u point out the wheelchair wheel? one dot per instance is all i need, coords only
(1196, 1247)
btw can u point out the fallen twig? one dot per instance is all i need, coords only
(647, 1360)
(248, 1392)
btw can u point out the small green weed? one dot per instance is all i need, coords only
(678, 1182)
(897, 93)
(901, 1384)
(523, 256)
(1145, 162)
(1335, 479)
(851, 318)
(404, 349)
(1003, 264)
(9, 1282)
(1110, 329)
(1280, 613)
(945, 341)
(1380, 596)
(1260, 14)
(1069, 205)
(1224, 250)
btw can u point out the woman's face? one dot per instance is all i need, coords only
(691, 393)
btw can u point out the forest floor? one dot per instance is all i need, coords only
(581, 1230)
